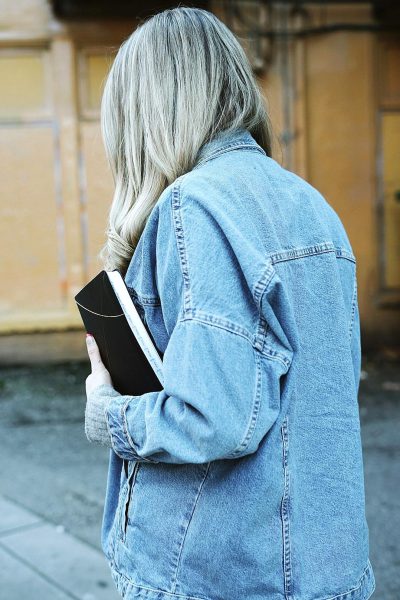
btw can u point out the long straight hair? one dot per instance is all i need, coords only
(181, 77)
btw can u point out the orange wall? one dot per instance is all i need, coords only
(341, 149)
(56, 187)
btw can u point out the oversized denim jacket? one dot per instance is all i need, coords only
(243, 478)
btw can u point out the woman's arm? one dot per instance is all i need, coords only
(220, 395)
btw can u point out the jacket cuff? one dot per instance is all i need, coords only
(107, 421)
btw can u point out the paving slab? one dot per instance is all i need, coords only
(20, 581)
(70, 565)
(13, 517)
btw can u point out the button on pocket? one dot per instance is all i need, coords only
(130, 485)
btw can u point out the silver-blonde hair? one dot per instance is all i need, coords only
(178, 79)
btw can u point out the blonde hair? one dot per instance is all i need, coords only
(180, 77)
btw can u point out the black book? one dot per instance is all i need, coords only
(125, 342)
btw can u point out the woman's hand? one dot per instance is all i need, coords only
(99, 374)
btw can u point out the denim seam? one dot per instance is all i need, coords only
(128, 499)
(176, 204)
(272, 354)
(129, 584)
(287, 566)
(230, 327)
(126, 432)
(353, 306)
(106, 408)
(259, 290)
(152, 300)
(255, 411)
(263, 283)
(343, 253)
(350, 593)
(190, 313)
(128, 440)
(229, 147)
(261, 333)
(291, 254)
(320, 248)
(186, 525)
(221, 323)
(120, 515)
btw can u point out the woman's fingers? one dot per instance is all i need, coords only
(94, 353)
(99, 374)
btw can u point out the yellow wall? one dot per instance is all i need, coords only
(56, 186)
(345, 162)
(341, 151)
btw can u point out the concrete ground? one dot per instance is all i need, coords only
(53, 482)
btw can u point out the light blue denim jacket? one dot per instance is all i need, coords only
(244, 476)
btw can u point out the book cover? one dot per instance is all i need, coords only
(125, 343)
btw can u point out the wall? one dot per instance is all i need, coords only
(334, 100)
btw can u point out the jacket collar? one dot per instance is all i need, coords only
(226, 140)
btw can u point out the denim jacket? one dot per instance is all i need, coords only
(242, 479)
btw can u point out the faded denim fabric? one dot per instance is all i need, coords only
(243, 478)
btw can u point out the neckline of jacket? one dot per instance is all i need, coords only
(224, 141)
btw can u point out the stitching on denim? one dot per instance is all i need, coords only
(153, 300)
(131, 480)
(291, 254)
(320, 248)
(210, 319)
(263, 283)
(123, 408)
(186, 526)
(285, 503)
(269, 352)
(303, 251)
(121, 506)
(255, 411)
(343, 253)
(106, 409)
(130, 584)
(353, 305)
(206, 319)
(190, 313)
(176, 203)
(232, 146)
(349, 593)
(261, 333)
(265, 348)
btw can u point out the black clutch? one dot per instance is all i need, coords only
(126, 345)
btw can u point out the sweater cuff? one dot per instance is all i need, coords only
(96, 428)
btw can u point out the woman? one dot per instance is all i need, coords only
(242, 479)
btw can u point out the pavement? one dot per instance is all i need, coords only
(53, 482)
(52, 488)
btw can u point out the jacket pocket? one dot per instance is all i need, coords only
(133, 467)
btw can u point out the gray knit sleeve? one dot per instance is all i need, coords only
(96, 426)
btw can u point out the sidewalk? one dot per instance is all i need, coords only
(53, 481)
(52, 488)
(39, 560)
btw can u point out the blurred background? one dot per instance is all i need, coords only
(330, 72)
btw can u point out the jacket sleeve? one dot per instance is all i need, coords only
(220, 395)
